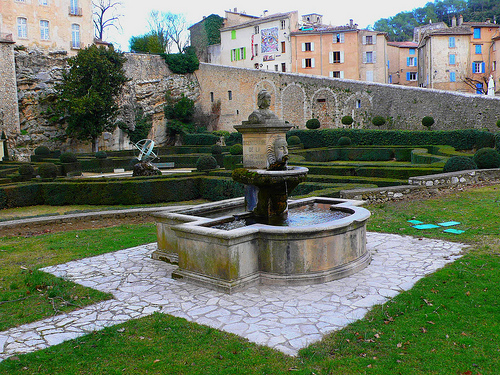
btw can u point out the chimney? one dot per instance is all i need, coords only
(351, 23)
(265, 13)
(454, 21)
(235, 10)
(460, 20)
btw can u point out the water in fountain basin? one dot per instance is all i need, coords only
(297, 217)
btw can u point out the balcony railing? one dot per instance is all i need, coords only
(6, 38)
(75, 11)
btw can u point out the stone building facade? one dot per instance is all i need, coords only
(402, 63)
(9, 111)
(48, 24)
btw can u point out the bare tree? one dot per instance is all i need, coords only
(106, 14)
(169, 28)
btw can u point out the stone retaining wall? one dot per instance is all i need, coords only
(424, 186)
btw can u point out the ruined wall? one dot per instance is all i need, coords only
(9, 114)
(39, 71)
(297, 98)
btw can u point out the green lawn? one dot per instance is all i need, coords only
(448, 323)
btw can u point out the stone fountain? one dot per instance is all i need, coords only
(264, 238)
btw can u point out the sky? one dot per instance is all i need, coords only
(364, 12)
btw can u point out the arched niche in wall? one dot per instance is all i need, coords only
(294, 105)
(324, 105)
(358, 105)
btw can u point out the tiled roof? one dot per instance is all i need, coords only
(403, 44)
(480, 24)
(456, 30)
(260, 20)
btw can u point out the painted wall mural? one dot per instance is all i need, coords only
(269, 41)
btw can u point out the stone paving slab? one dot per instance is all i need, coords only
(284, 318)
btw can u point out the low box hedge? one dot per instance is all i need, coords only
(466, 139)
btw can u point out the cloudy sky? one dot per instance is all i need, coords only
(363, 12)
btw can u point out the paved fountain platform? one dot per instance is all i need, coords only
(284, 318)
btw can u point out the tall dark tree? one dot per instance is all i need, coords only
(86, 97)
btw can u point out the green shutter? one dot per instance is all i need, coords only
(244, 53)
(233, 34)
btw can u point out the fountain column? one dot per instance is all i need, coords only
(265, 173)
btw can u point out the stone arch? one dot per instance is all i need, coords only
(324, 107)
(357, 105)
(294, 105)
(271, 89)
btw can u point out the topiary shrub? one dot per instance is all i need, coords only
(347, 120)
(293, 140)
(344, 141)
(26, 170)
(42, 151)
(378, 121)
(428, 121)
(101, 155)
(236, 149)
(206, 163)
(487, 158)
(47, 170)
(497, 141)
(498, 123)
(216, 149)
(68, 157)
(459, 163)
(313, 124)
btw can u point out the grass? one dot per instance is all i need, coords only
(27, 295)
(46, 210)
(448, 323)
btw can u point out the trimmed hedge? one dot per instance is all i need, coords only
(204, 139)
(459, 139)
(459, 163)
(487, 158)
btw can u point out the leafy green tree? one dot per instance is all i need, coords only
(86, 96)
(147, 43)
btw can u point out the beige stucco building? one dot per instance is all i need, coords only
(47, 24)
(261, 43)
(459, 58)
(340, 52)
(402, 63)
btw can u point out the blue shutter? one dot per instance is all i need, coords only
(452, 77)
(407, 61)
(483, 66)
(408, 76)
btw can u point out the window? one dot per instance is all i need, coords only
(451, 42)
(453, 77)
(309, 46)
(368, 39)
(230, 95)
(233, 34)
(283, 24)
(211, 97)
(390, 78)
(335, 57)
(479, 88)
(452, 59)
(75, 36)
(283, 47)
(358, 103)
(338, 38)
(369, 75)
(478, 67)
(411, 61)
(44, 30)
(73, 8)
(256, 50)
(276, 68)
(22, 27)
(256, 30)
(411, 76)
(308, 63)
(478, 49)
(283, 67)
(477, 33)
(238, 54)
(337, 74)
(43, 2)
(494, 66)
(369, 57)
(412, 51)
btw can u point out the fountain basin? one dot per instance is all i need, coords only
(228, 260)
